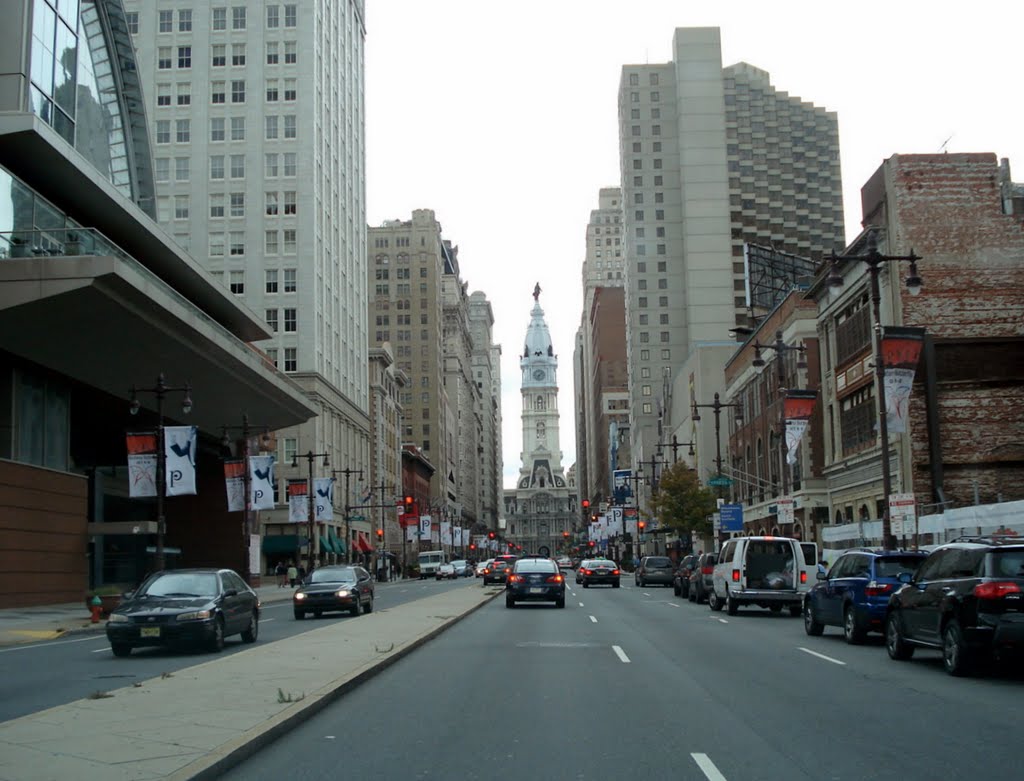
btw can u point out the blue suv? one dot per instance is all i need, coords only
(855, 592)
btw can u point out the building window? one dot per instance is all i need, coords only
(238, 17)
(236, 283)
(236, 241)
(163, 58)
(270, 245)
(646, 390)
(162, 169)
(272, 56)
(184, 57)
(290, 240)
(132, 19)
(237, 204)
(270, 201)
(237, 166)
(238, 55)
(271, 317)
(220, 18)
(290, 205)
(217, 205)
(270, 165)
(290, 15)
(163, 95)
(272, 356)
(219, 57)
(290, 284)
(289, 163)
(647, 408)
(238, 128)
(217, 166)
(291, 321)
(183, 130)
(634, 79)
(181, 207)
(272, 91)
(289, 126)
(217, 94)
(290, 90)
(217, 245)
(291, 361)
(182, 167)
(291, 55)
(185, 20)
(238, 91)
(217, 129)
(273, 17)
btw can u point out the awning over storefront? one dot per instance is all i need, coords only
(338, 544)
(363, 544)
(325, 545)
(283, 543)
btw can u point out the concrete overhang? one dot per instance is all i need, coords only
(109, 323)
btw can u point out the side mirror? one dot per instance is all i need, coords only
(822, 575)
(231, 592)
(905, 577)
(128, 595)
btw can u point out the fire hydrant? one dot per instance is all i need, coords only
(96, 607)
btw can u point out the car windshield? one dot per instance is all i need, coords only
(892, 567)
(333, 575)
(182, 584)
(658, 562)
(601, 563)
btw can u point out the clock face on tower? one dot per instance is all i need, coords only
(538, 374)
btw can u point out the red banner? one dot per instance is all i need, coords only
(901, 349)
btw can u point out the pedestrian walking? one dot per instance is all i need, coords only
(282, 573)
(293, 574)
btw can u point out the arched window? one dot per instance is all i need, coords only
(760, 470)
(540, 402)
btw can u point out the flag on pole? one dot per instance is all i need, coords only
(180, 460)
(141, 464)
(234, 482)
(261, 482)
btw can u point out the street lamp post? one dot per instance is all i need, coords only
(247, 519)
(780, 348)
(636, 478)
(348, 506)
(310, 456)
(160, 390)
(717, 406)
(874, 261)
(675, 445)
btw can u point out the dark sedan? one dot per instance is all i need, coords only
(535, 579)
(333, 589)
(599, 571)
(188, 607)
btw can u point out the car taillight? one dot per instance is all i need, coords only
(555, 579)
(995, 590)
(586, 572)
(803, 577)
(615, 572)
(487, 571)
(706, 570)
(877, 589)
(735, 576)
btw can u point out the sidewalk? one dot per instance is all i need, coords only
(198, 722)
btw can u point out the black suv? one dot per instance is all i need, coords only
(681, 579)
(966, 599)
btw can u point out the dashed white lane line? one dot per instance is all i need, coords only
(593, 619)
(723, 620)
(707, 767)
(821, 656)
(30, 646)
(671, 604)
(621, 654)
(581, 604)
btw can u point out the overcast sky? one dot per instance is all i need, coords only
(501, 117)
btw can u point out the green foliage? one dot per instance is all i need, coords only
(682, 503)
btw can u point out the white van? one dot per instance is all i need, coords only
(430, 561)
(770, 572)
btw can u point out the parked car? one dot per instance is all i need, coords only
(497, 572)
(445, 572)
(700, 578)
(579, 569)
(855, 592)
(185, 607)
(597, 571)
(766, 571)
(681, 578)
(483, 565)
(332, 589)
(535, 578)
(462, 568)
(654, 569)
(966, 600)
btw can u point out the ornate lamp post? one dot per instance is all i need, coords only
(780, 348)
(874, 261)
(717, 406)
(348, 506)
(674, 445)
(160, 390)
(310, 456)
(247, 518)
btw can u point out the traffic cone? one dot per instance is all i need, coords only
(96, 607)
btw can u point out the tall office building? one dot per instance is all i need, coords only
(602, 392)
(710, 158)
(256, 110)
(486, 367)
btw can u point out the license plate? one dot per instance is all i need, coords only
(150, 631)
(536, 591)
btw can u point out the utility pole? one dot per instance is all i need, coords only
(348, 506)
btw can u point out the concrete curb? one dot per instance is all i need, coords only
(231, 754)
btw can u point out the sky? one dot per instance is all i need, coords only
(502, 117)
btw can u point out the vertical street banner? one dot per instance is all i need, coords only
(261, 482)
(412, 532)
(323, 498)
(615, 527)
(901, 348)
(620, 485)
(298, 501)
(180, 460)
(141, 464)
(234, 482)
(798, 407)
(425, 527)
(446, 533)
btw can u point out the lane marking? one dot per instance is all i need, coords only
(581, 604)
(670, 604)
(707, 767)
(821, 656)
(724, 621)
(50, 645)
(621, 654)
(594, 619)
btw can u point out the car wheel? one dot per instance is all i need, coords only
(585, 584)
(643, 583)
(616, 585)
(300, 614)
(897, 647)
(253, 630)
(678, 591)
(510, 602)
(714, 602)
(853, 631)
(560, 602)
(811, 625)
(369, 605)
(357, 608)
(956, 655)
(217, 640)
(121, 649)
(730, 604)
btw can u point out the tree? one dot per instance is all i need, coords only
(681, 502)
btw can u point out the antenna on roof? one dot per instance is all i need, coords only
(942, 148)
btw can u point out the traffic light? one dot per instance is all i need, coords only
(472, 546)
(593, 518)
(380, 535)
(641, 525)
(490, 535)
(586, 504)
(591, 543)
(408, 505)
(565, 535)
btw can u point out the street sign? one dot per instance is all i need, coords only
(724, 482)
(732, 517)
(784, 510)
(902, 515)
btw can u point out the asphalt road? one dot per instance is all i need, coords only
(637, 683)
(41, 675)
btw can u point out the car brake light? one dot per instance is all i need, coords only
(615, 572)
(877, 589)
(803, 577)
(735, 576)
(586, 572)
(707, 570)
(995, 590)
(555, 579)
